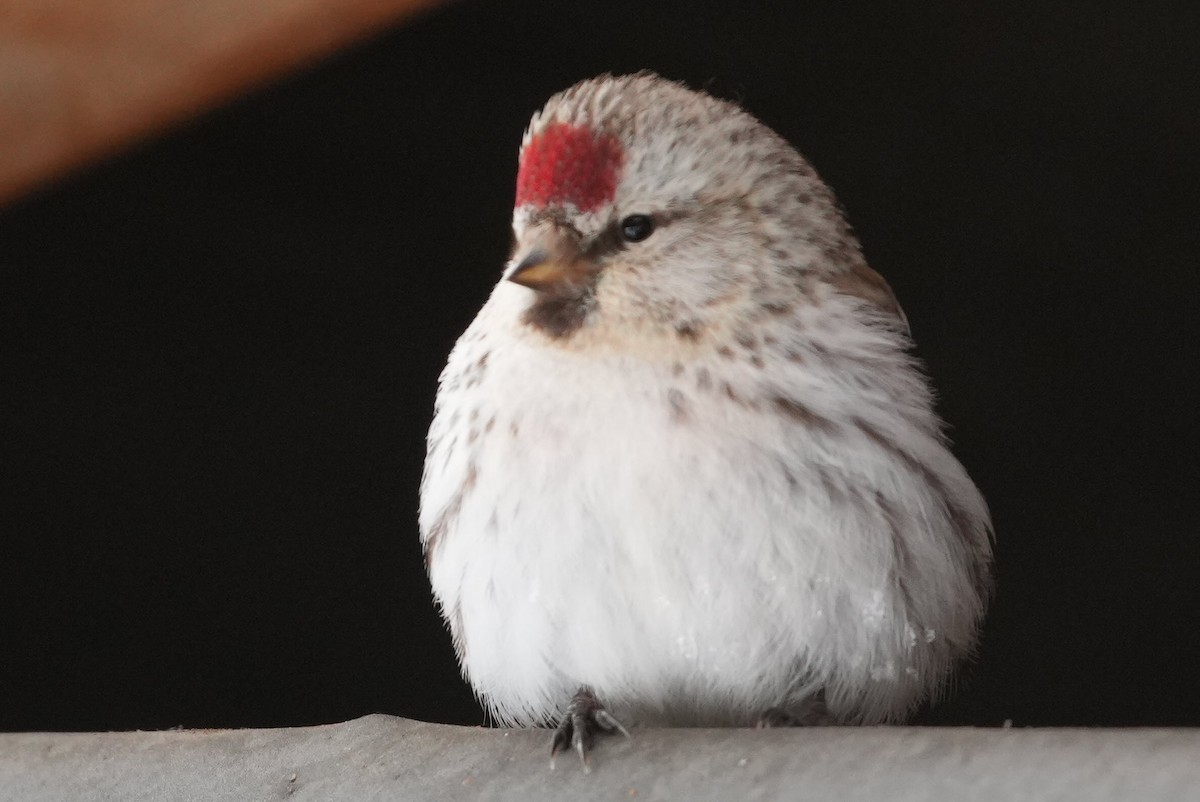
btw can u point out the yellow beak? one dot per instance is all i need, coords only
(549, 260)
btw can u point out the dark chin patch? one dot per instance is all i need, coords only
(559, 316)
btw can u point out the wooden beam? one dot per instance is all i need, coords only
(80, 79)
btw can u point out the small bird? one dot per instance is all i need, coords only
(683, 468)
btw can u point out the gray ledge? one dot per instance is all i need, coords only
(381, 757)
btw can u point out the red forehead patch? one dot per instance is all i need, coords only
(569, 164)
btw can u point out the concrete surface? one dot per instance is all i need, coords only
(381, 757)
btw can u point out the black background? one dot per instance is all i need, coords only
(219, 351)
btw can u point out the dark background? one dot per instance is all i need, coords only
(219, 352)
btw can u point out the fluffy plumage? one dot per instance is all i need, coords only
(699, 473)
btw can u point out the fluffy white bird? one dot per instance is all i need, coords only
(682, 464)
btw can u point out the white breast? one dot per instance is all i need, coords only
(694, 557)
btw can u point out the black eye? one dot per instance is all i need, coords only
(636, 227)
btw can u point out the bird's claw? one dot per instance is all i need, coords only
(812, 712)
(585, 716)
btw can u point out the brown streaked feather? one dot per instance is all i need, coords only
(860, 281)
(902, 559)
(801, 413)
(448, 518)
(969, 536)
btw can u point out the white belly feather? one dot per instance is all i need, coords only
(690, 558)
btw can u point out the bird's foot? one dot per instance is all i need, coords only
(812, 712)
(584, 718)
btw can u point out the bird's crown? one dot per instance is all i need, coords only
(565, 163)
